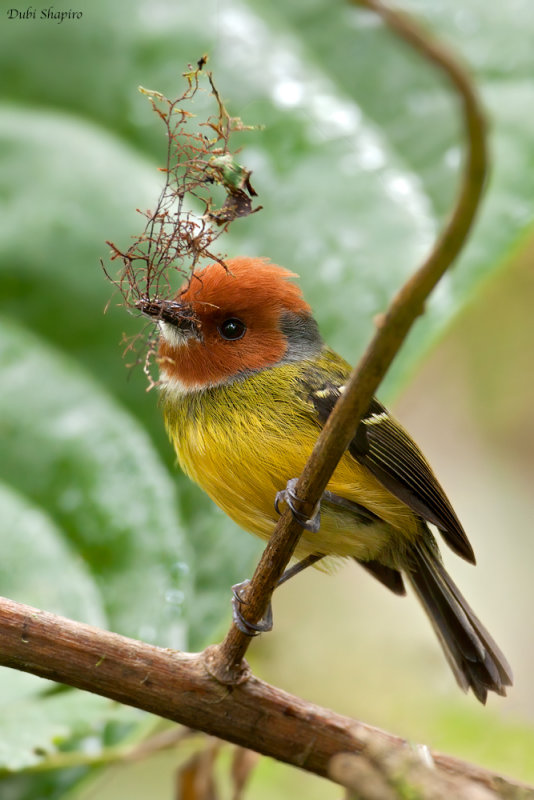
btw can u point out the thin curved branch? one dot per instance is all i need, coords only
(393, 328)
(180, 687)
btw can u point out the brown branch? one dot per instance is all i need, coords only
(180, 687)
(393, 328)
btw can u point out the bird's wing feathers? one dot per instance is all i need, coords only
(384, 447)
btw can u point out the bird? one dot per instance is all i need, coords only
(246, 385)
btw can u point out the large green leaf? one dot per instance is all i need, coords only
(84, 460)
(355, 145)
(39, 568)
(33, 730)
(49, 260)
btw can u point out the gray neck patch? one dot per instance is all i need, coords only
(303, 337)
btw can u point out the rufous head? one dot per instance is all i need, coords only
(228, 323)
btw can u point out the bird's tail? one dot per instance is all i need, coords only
(475, 659)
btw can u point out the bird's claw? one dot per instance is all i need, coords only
(289, 496)
(312, 523)
(248, 628)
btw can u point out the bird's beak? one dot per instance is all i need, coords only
(180, 315)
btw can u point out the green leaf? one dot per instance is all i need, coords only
(84, 460)
(40, 569)
(51, 279)
(32, 732)
(356, 145)
(389, 89)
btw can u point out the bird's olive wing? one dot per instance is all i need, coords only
(384, 447)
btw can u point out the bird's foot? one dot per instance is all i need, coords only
(248, 628)
(310, 522)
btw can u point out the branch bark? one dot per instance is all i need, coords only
(181, 687)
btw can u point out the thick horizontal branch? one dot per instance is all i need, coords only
(180, 687)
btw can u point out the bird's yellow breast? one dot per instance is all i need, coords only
(242, 443)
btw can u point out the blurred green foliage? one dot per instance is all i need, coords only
(356, 170)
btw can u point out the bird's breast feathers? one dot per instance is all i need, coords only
(242, 443)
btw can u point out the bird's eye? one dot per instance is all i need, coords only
(232, 328)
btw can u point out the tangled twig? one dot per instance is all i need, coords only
(187, 222)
